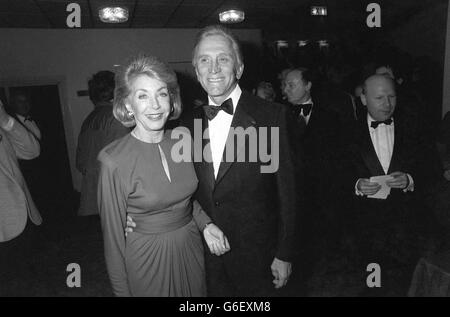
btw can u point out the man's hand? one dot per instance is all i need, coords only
(281, 271)
(365, 186)
(447, 174)
(216, 240)
(400, 180)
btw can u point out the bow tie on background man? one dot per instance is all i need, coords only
(212, 111)
(375, 124)
(305, 107)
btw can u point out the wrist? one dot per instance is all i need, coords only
(206, 225)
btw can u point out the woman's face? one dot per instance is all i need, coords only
(149, 101)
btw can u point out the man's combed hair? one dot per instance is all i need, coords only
(218, 30)
(101, 86)
(152, 67)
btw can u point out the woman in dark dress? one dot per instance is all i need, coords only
(163, 256)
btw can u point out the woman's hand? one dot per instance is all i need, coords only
(216, 240)
(130, 225)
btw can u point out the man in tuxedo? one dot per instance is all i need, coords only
(21, 106)
(16, 204)
(255, 210)
(31, 169)
(384, 144)
(317, 136)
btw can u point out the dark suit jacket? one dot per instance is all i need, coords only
(255, 210)
(319, 144)
(409, 156)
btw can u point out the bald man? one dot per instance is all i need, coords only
(385, 227)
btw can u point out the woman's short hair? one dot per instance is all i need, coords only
(152, 67)
(223, 31)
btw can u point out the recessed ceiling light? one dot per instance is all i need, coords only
(231, 16)
(113, 14)
(282, 44)
(321, 11)
(323, 43)
(302, 43)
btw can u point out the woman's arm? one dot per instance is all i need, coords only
(112, 207)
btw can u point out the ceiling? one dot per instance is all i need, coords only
(267, 15)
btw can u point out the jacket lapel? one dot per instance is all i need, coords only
(241, 119)
(206, 169)
(398, 147)
(367, 150)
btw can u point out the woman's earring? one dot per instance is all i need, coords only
(130, 113)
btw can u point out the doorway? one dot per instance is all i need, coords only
(53, 189)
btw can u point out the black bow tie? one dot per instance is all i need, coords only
(375, 124)
(212, 111)
(305, 107)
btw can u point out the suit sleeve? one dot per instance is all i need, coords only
(25, 145)
(289, 161)
(200, 217)
(112, 207)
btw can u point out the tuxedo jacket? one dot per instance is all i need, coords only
(410, 155)
(318, 142)
(16, 204)
(255, 210)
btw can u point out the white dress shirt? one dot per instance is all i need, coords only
(383, 141)
(309, 114)
(383, 138)
(31, 125)
(219, 128)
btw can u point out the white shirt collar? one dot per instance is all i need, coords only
(308, 101)
(370, 120)
(234, 95)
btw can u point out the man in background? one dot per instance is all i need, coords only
(98, 130)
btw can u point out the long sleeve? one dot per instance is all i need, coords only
(200, 217)
(24, 143)
(112, 203)
(287, 187)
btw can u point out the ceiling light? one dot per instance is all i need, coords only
(302, 43)
(282, 44)
(323, 43)
(113, 14)
(231, 16)
(321, 11)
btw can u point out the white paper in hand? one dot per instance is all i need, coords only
(385, 190)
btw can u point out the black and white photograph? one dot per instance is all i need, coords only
(227, 153)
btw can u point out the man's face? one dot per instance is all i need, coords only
(379, 97)
(216, 67)
(296, 90)
(22, 105)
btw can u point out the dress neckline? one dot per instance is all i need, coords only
(163, 139)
